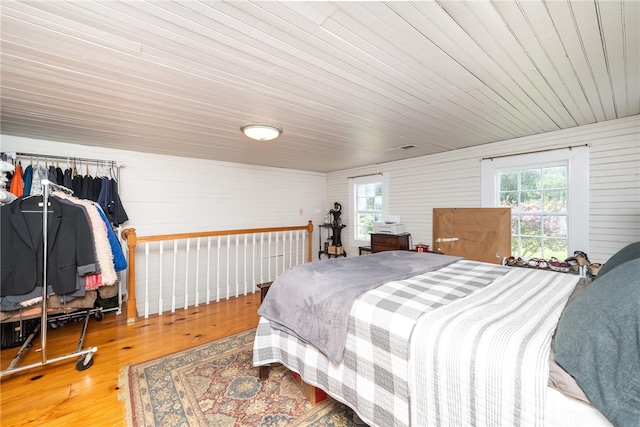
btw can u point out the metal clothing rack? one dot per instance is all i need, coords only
(87, 355)
(72, 161)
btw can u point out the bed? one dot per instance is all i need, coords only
(442, 340)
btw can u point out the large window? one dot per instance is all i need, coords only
(369, 204)
(548, 196)
(538, 201)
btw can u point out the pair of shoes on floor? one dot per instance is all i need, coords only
(538, 263)
(556, 265)
(594, 268)
(582, 258)
(573, 263)
(513, 261)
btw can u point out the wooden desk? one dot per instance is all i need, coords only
(389, 242)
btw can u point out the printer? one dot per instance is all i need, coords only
(390, 224)
(388, 227)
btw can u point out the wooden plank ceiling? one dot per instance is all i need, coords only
(349, 82)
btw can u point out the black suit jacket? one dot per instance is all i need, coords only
(71, 250)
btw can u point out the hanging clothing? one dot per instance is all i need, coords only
(119, 259)
(87, 188)
(28, 180)
(67, 180)
(52, 175)
(5, 195)
(95, 185)
(39, 173)
(115, 211)
(97, 189)
(104, 197)
(76, 183)
(103, 248)
(17, 185)
(59, 176)
(70, 251)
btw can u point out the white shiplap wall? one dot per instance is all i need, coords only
(167, 194)
(452, 179)
(164, 194)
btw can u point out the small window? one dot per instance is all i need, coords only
(369, 204)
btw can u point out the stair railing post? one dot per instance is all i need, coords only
(309, 241)
(130, 236)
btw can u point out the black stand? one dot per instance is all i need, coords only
(336, 241)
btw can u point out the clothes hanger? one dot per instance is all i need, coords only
(101, 171)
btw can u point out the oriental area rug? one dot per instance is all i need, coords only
(215, 384)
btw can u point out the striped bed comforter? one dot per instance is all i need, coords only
(396, 334)
(484, 360)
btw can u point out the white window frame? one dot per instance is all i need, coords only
(366, 179)
(577, 161)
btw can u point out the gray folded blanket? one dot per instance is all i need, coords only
(312, 301)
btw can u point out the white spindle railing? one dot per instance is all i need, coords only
(240, 259)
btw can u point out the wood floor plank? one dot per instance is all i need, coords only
(59, 395)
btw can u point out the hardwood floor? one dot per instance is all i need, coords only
(59, 395)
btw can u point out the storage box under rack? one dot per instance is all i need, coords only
(13, 334)
(335, 250)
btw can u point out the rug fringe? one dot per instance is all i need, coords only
(123, 395)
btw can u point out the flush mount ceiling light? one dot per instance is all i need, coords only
(261, 131)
